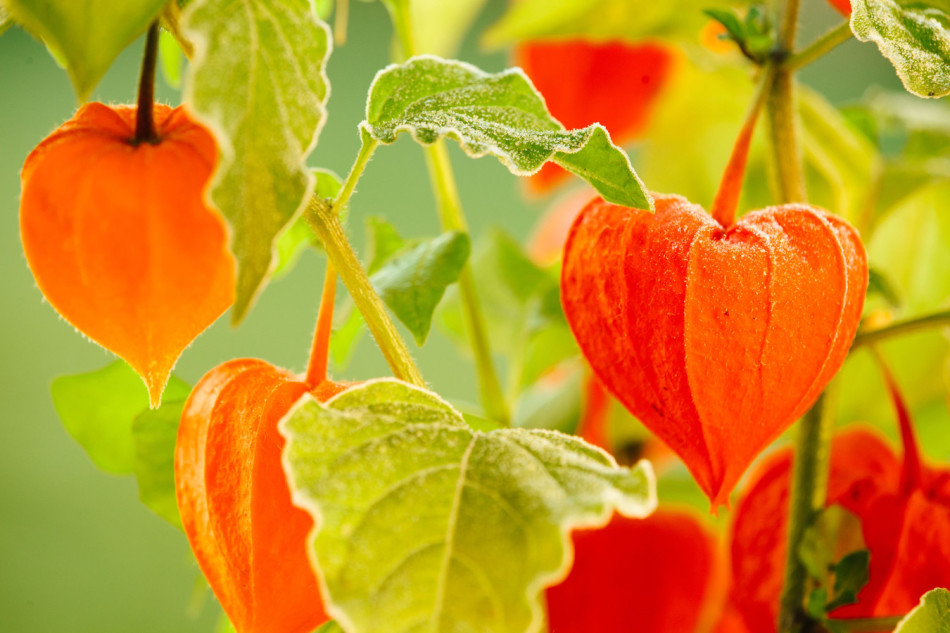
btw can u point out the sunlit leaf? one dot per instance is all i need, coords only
(171, 57)
(932, 616)
(258, 81)
(498, 114)
(914, 36)
(440, 26)
(413, 282)
(98, 409)
(88, 35)
(407, 546)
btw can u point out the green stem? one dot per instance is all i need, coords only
(820, 47)
(349, 185)
(786, 153)
(809, 492)
(868, 625)
(900, 328)
(323, 218)
(453, 219)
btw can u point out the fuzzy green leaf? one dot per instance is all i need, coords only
(258, 80)
(87, 35)
(426, 525)
(98, 409)
(153, 434)
(498, 114)
(412, 283)
(932, 615)
(914, 36)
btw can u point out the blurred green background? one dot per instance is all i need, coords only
(78, 553)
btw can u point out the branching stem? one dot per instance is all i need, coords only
(820, 47)
(901, 328)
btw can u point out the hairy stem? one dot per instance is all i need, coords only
(820, 47)
(901, 328)
(812, 453)
(144, 123)
(319, 352)
(452, 219)
(809, 492)
(322, 217)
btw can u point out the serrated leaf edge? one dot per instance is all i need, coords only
(612, 503)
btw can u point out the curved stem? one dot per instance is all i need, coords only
(894, 330)
(452, 219)
(727, 196)
(809, 493)
(820, 47)
(144, 123)
(320, 351)
(323, 218)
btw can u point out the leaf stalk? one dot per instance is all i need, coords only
(900, 328)
(820, 47)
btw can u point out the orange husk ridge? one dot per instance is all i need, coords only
(119, 238)
(249, 539)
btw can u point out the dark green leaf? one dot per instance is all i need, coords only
(914, 36)
(154, 433)
(932, 615)
(729, 18)
(501, 115)
(412, 283)
(439, 492)
(87, 35)
(851, 574)
(98, 409)
(258, 80)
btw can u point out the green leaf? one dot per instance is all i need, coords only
(501, 115)
(840, 160)
(258, 80)
(412, 283)
(98, 409)
(851, 574)
(153, 434)
(455, 529)
(87, 35)
(932, 615)
(171, 57)
(385, 242)
(597, 19)
(298, 236)
(914, 36)
(329, 627)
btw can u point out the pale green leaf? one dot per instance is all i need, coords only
(87, 35)
(932, 615)
(440, 26)
(171, 57)
(427, 525)
(153, 434)
(914, 36)
(329, 627)
(840, 160)
(413, 282)
(98, 409)
(498, 114)
(258, 80)
(298, 236)
(598, 20)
